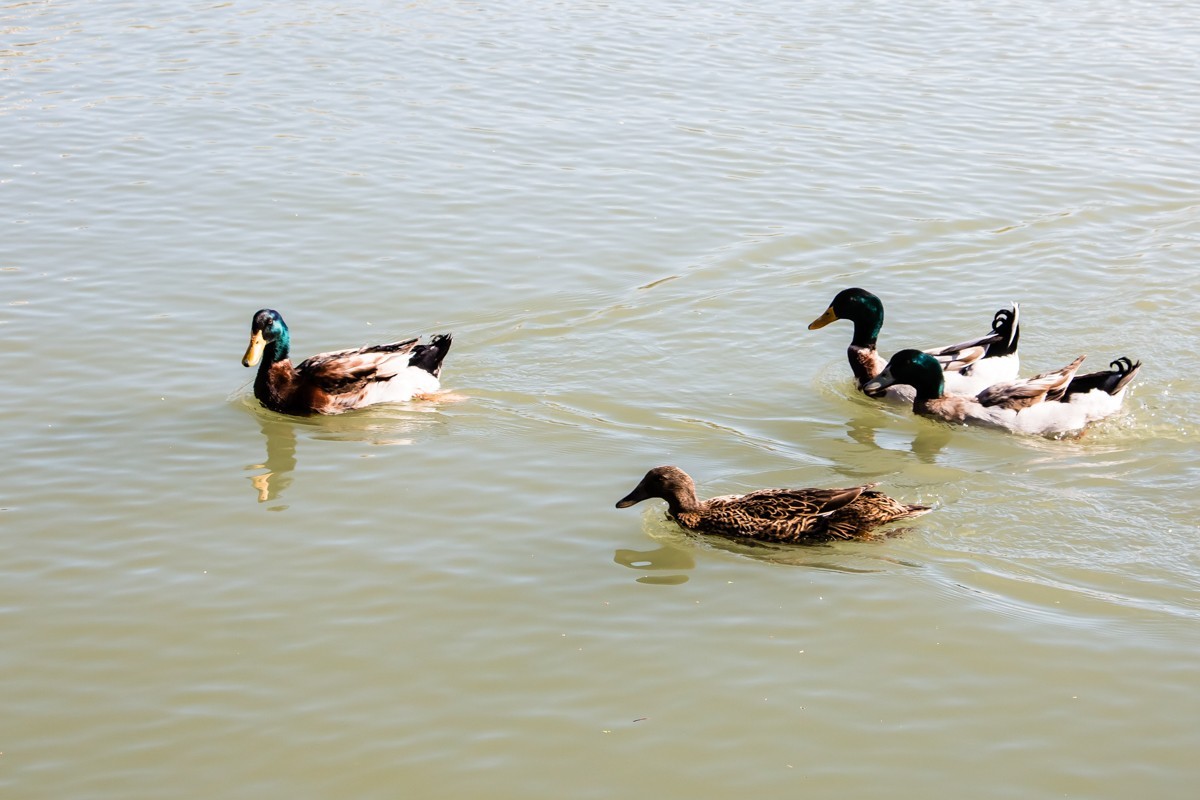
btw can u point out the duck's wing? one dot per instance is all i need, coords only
(1000, 342)
(958, 356)
(799, 502)
(350, 371)
(1023, 393)
(778, 513)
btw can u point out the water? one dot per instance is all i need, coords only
(627, 214)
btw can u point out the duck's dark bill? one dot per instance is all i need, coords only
(631, 499)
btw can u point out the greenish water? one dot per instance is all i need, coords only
(627, 215)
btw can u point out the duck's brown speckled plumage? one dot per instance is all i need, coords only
(330, 383)
(778, 515)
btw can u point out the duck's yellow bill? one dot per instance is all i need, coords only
(820, 322)
(255, 350)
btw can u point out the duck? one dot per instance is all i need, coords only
(342, 380)
(773, 515)
(969, 367)
(1044, 404)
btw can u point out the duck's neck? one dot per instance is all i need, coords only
(865, 362)
(950, 409)
(278, 346)
(930, 390)
(683, 502)
(866, 328)
(274, 375)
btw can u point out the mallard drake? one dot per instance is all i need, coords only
(1043, 404)
(331, 383)
(776, 515)
(970, 367)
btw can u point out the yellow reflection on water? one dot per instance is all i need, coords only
(280, 462)
(381, 425)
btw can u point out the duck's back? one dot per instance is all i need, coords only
(784, 515)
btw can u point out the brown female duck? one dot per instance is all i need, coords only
(331, 383)
(777, 515)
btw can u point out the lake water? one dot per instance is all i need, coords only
(627, 213)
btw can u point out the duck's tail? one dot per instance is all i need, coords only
(1007, 325)
(1111, 381)
(911, 510)
(898, 511)
(429, 357)
(892, 509)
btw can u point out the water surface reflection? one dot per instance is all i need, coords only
(677, 547)
(926, 444)
(381, 425)
(281, 459)
(664, 557)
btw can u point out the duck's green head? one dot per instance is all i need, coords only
(859, 306)
(269, 334)
(910, 368)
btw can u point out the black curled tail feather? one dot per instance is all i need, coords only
(1126, 369)
(1112, 381)
(429, 357)
(1007, 325)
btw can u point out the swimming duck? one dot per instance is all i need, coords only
(970, 367)
(331, 383)
(777, 515)
(1043, 404)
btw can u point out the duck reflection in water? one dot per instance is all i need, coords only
(379, 425)
(666, 557)
(926, 445)
(676, 555)
(281, 459)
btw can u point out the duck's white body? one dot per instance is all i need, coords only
(1098, 404)
(979, 375)
(1050, 418)
(968, 381)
